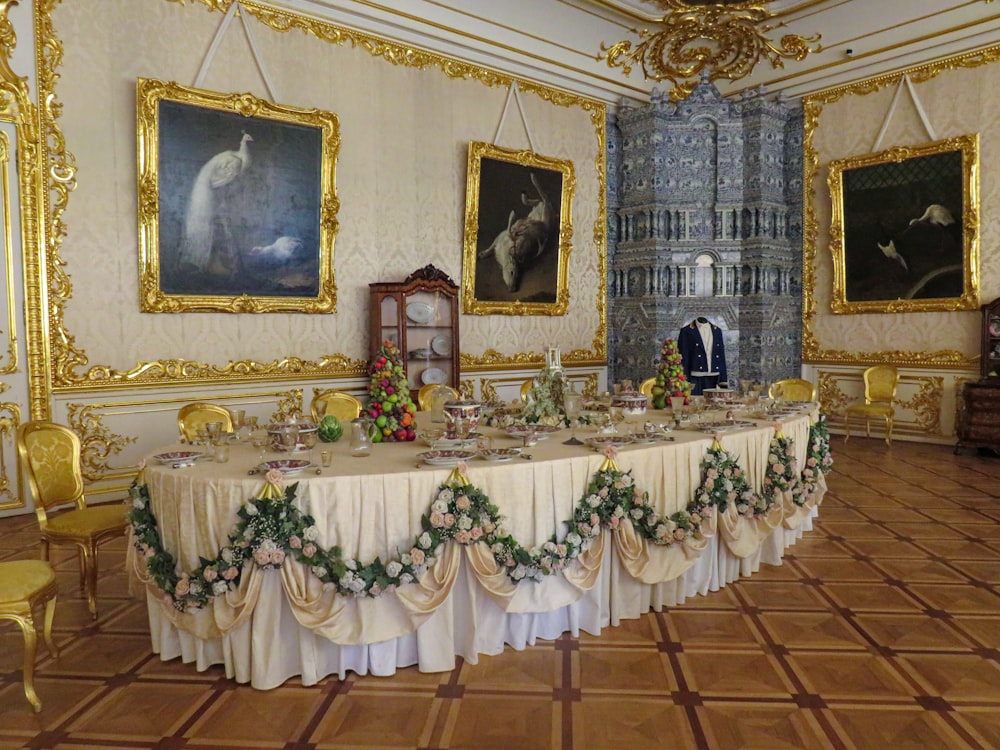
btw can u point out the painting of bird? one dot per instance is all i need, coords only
(200, 221)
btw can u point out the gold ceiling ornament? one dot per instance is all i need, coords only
(714, 39)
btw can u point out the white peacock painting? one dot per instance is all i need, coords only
(239, 200)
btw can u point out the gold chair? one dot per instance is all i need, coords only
(24, 586)
(194, 417)
(426, 392)
(880, 393)
(50, 459)
(343, 406)
(793, 389)
(526, 387)
(646, 387)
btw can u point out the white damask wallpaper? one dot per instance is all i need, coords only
(400, 178)
(956, 102)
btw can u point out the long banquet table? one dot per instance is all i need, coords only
(284, 624)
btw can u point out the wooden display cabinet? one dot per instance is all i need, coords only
(989, 364)
(979, 412)
(420, 316)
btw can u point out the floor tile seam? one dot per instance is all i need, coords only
(328, 699)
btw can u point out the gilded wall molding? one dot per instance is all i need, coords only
(812, 106)
(97, 442)
(10, 366)
(926, 403)
(289, 405)
(58, 363)
(10, 420)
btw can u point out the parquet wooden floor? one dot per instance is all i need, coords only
(881, 630)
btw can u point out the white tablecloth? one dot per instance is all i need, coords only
(373, 506)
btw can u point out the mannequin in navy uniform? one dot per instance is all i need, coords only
(695, 341)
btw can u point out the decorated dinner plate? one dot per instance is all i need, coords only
(286, 466)
(599, 442)
(419, 312)
(499, 454)
(433, 375)
(178, 457)
(441, 345)
(447, 457)
(647, 437)
(541, 430)
(729, 425)
(437, 439)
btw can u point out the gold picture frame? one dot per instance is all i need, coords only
(237, 202)
(518, 232)
(905, 229)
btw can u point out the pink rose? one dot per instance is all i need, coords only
(437, 519)
(778, 468)
(274, 476)
(475, 532)
(679, 534)
(183, 587)
(210, 574)
(294, 542)
(462, 537)
(584, 529)
(462, 502)
(610, 452)
(261, 556)
(230, 573)
(277, 556)
(309, 550)
(462, 467)
(449, 520)
(614, 522)
(595, 520)
(417, 555)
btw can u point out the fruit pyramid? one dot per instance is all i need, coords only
(670, 379)
(389, 402)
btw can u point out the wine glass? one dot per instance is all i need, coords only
(572, 403)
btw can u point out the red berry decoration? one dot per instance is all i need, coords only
(388, 382)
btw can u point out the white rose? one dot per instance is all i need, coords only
(311, 533)
(424, 541)
(393, 569)
(439, 506)
(220, 587)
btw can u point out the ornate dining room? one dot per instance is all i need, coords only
(586, 423)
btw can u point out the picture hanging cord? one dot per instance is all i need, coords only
(905, 80)
(514, 91)
(234, 9)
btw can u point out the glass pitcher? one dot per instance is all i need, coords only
(363, 431)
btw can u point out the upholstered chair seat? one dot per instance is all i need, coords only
(880, 395)
(24, 586)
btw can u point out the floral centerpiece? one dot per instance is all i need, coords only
(545, 399)
(670, 378)
(389, 402)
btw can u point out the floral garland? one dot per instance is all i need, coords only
(782, 473)
(271, 528)
(819, 458)
(725, 482)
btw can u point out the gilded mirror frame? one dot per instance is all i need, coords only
(518, 232)
(210, 195)
(904, 232)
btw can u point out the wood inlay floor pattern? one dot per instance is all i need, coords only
(880, 629)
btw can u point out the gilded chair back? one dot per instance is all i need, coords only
(193, 417)
(880, 384)
(793, 389)
(50, 459)
(426, 394)
(343, 406)
(646, 388)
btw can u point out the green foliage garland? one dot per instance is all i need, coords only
(270, 528)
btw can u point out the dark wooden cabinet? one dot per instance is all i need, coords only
(420, 316)
(979, 409)
(979, 415)
(989, 364)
